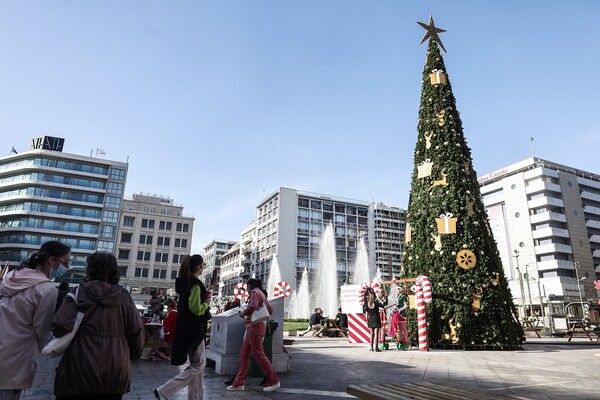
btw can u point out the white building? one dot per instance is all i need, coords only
(289, 225)
(212, 259)
(46, 194)
(154, 236)
(545, 218)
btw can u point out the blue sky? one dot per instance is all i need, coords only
(216, 104)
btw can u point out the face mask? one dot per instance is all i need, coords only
(56, 273)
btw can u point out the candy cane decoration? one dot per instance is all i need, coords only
(240, 291)
(282, 289)
(363, 289)
(423, 293)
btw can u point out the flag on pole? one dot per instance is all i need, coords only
(100, 151)
(531, 138)
(13, 151)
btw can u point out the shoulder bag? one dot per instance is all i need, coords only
(261, 313)
(59, 345)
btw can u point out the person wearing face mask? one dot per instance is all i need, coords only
(27, 306)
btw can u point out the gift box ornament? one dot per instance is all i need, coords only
(408, 234)
(424, 169)
(446, 223)
(437, 77)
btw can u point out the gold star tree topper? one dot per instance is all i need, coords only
(432, 32)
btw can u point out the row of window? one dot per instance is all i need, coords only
(70, 165)
(338, 208)
(124, 254)
(53, 178)
(148, 239)
(38, 240)
(162, 225)
(52, 209)
(156, 273)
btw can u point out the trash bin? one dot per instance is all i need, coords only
(254, 371)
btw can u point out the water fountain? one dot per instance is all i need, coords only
(362, 272)
(326, 284)
(274, 276)
(299, 306)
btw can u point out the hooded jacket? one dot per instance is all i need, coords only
(26, 312)
(110, 335)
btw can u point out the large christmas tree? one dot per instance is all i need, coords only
(448, 238)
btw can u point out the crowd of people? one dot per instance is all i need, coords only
(96, 364)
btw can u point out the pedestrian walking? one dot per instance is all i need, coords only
(27, 301)
(190, 335)
(253, 341)
(97, 363)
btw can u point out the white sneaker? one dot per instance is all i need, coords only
(271, 388)
(242, 387)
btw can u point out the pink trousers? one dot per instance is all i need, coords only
(253, 344)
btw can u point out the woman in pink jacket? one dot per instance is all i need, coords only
(253, 341)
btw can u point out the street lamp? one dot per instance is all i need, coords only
(529, 291)
(516, 257)
(576, 264)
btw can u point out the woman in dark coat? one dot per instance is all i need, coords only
(371, 309)
(96, 364)
(192, 322)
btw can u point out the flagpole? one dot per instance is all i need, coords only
(531, 146)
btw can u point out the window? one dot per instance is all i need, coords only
(183, 242)
(147, 223)
(122, 270)
(128, 221)
(103, 245)
(112, 202)
(159, 241)
(161, 225)
(126, 237)
(167, 241)
(108, 231)
(315, 204)
(177, 258)
(165, 257)
(169, 226)
(179, 227)
(302, 202)
(177, 242)
(143, 256)
(114, 188)
(124, 254)
(186, 227)
(110, 217)
(157, 258)
(146, 239)
(173, 274)
(117, 174)
(163, 274)
(155, 273)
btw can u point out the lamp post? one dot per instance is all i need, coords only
(529, 291)
(576, 264)
(516, 257)
(537, 271)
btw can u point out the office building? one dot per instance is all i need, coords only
(154, 237)
(47, 194)
(545, 218)
(212, 259)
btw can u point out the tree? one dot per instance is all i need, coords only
(448, 237)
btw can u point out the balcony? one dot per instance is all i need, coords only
(591, 210)
(595, 238)
(590, 196)
(593, 224)
(596, 253)
(553, 248)
(554, 264)
(550, 232)
(545, 201)
(541, 186)
(547, 216)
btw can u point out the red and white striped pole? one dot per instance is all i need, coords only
(423, 294)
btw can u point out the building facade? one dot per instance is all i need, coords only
(288, 230)
(212, 259)
(545, 218)
(46, 194)
(154, 236)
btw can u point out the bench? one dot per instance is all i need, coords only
(422, 391)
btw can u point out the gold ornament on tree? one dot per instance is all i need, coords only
(496, 280)
(476, 304)
(442, 182)
(470, 209)
(428, 136)
(446, 223)
(466, 259)
(408, 234)
(437, 77)
(424, 169)
(438, 241)
(440, 117)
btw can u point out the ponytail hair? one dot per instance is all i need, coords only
(189, 266)
(49, 249)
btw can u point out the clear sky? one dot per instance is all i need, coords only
(218, 103)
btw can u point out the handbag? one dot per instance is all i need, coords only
(261, 313)
(59, 345)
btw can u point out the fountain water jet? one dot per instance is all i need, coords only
(362, 271)
(274, 276)
(300, 300)
(326, 283)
